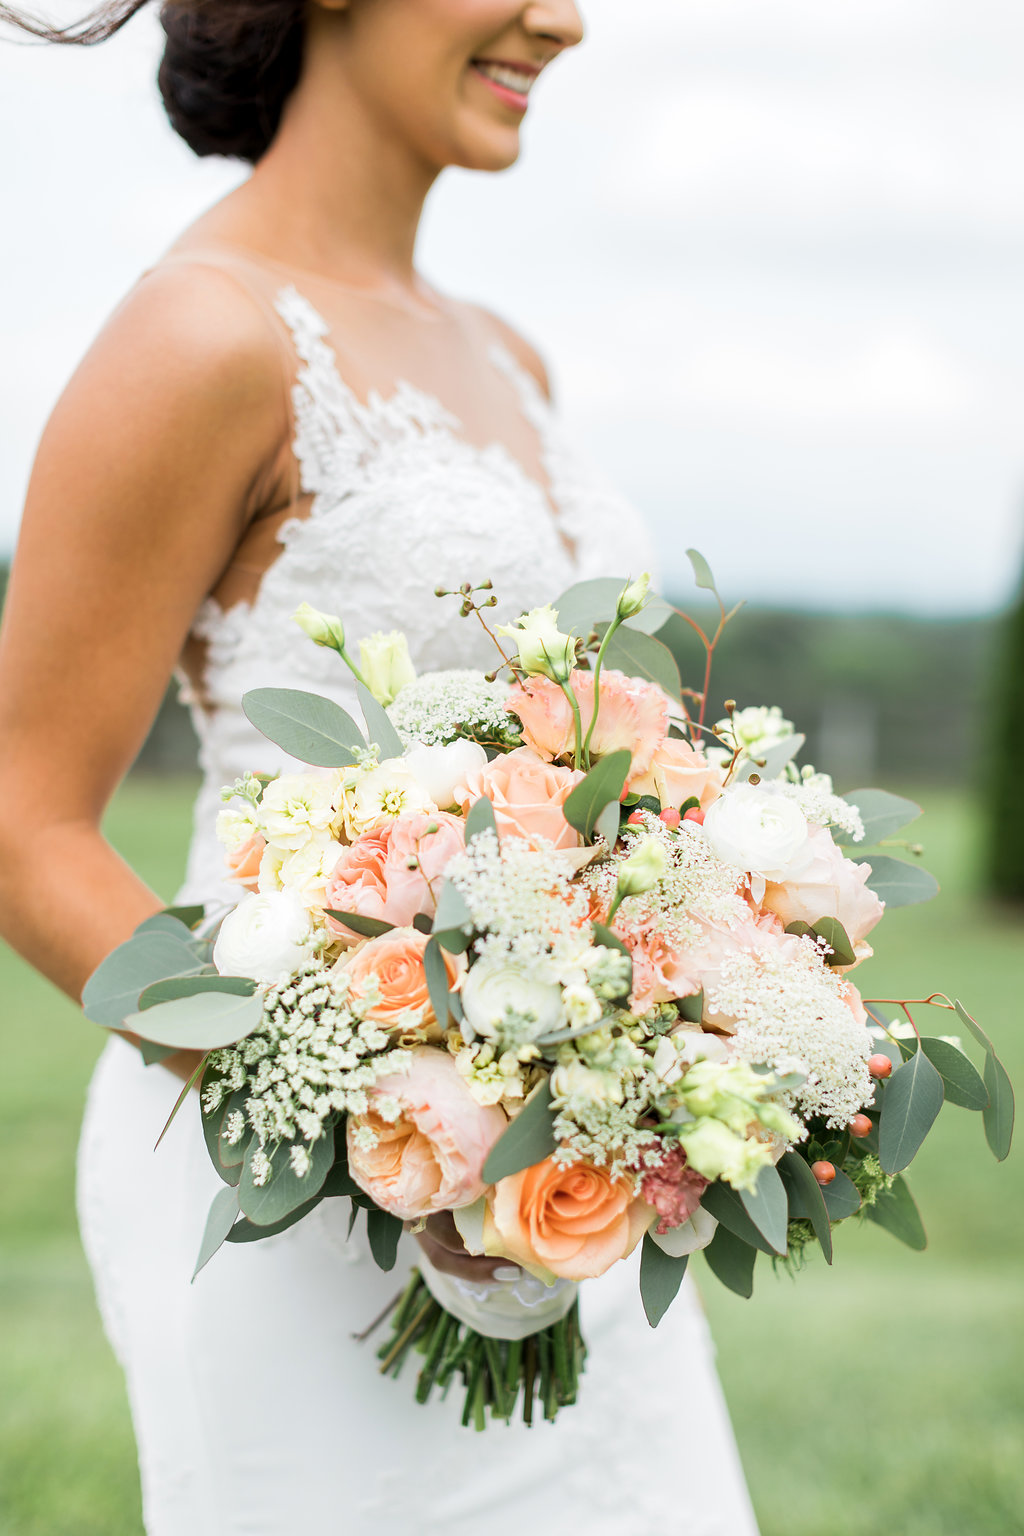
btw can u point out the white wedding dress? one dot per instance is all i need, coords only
(256, 1411)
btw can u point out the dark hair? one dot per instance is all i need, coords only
(228, 67)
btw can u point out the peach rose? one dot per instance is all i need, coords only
(631, 713)
(243, 862)
(394, 961)
(432, 1157)
(527, 792)
(678, 773)
(394, 872)
(571, 1222)
(831, 886)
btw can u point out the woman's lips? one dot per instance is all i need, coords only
(509, 82)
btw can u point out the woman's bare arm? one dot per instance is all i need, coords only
(144, 481)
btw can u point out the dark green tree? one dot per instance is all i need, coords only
(1006, 798)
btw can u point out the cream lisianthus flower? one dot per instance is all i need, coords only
(304, 871)
(386, 665)
(322, 628)
(296, 808)
(371, 797)
(544, 651)
(719, 1153)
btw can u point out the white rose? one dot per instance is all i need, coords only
(503, 999)
(439, 769)
(760, 831)
(266, 937)
(295, 807)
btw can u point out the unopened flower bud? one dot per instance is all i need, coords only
(633, 598)
(322, 628)
(544, 651)
(643, 869)
(386, 665)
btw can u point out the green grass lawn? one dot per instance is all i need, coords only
(882, 1398)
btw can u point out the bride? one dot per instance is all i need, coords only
(282, 410)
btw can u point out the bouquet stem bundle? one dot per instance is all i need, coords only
(545, 1367)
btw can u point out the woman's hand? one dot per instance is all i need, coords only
(445, 1249)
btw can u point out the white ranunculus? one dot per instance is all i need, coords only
(439, 769)
(266, 937)
(759, 830)
(503, 999)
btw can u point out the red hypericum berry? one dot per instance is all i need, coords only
(860, 1125)
(636, 820)
(693, 814)
(879, 1065)
(670, 818)
(824, 1172)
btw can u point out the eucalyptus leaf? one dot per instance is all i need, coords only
(529, 1139)
(883, 815)
(898, 883)
(222, 1217)
(366, 927)
(190, 916)
(204, 1022)
(732, 1261)
(692, 1008)
(640, 655)
(246, 1231)
(378, 725)
(841, 1197)
(806, 1201)
(587, 604)
(480, 819)
(912, 1100)
(436, 973)
(831, 930)
(191, 986)
(339, 1182)
(608, 823)
(227, 1157)
(701, 571)
(727, 1206)
(152, 1053)
(383, 1230)
(284, 1190)
(961, 1081)
(999, 1115)
(975, 1028)
(770, 763)
(602, 786)
(452, 915)
(896, 1212)
(768, 1208)
(166, 922)
(308, 727)
(660, 1279)
(112, 992)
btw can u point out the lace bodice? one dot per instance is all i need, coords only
(402, 503)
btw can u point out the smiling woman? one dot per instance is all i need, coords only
(283, 411)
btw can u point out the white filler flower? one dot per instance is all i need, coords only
(757, 829)
(266, 937)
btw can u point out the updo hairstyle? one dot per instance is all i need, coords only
(228, 66)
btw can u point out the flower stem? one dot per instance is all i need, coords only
(577, 721)
(598, 664)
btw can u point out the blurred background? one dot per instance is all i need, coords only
(772, 254)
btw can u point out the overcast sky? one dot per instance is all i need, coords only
(772, 249)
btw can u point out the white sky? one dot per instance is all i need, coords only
(772, 250)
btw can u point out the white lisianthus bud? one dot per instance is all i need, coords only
(322, 628)
(503, 1000)
(755, 730)
(386, 665)
(761, 831)
(544, 651)
(440, 769)
(643, 869)
(266, 937)
(633, 598)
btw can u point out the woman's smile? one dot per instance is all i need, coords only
(510, 82)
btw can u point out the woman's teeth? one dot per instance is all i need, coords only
(512, 79)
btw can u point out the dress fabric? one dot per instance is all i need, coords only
(256, 1410)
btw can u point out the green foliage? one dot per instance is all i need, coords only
(731, 1260)
(586, 604)
(911, 1100)
(806, 1201)
(112, 992)
(529, 1139)
(222, 1217)
(378, 724)
(640, 655)
(284, 1190)
(898, 883)
(727, 1206)
(366, 927)
(660, 1279)
(203, 1022)
(481, 818)
(896, 1212)
(767, 1207)
(1005, 739)
(602, 786)
(883, 816)
(383, 1231)
(311, 728)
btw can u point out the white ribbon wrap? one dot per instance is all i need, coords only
(501, 1309)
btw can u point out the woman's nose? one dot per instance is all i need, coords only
(558, 19)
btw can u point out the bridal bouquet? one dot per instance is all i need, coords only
(542, 950)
